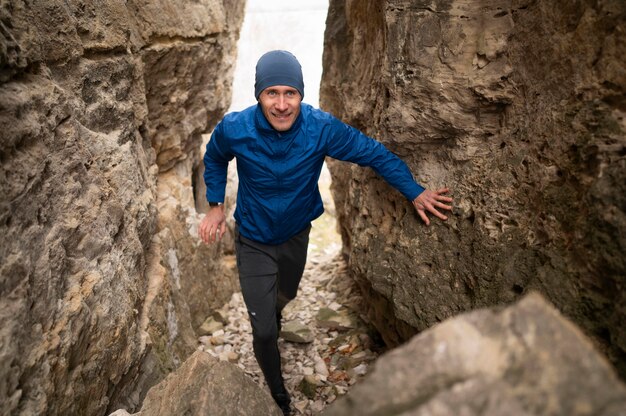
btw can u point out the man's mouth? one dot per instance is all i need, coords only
(282, 116)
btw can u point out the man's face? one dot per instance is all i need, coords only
(281, 106)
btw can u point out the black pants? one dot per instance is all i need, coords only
(269, 276)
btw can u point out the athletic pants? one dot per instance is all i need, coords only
(269, 276)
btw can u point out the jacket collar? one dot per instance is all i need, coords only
(266, 128)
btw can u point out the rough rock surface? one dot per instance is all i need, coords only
(518, 106)
(203, 385)
(492, 362)
(102, 105)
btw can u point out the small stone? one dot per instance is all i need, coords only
(294, 331)
(301, 405)
(308, 386)
(334, 306)
(360, 370)
(329, 318)
(210, 326)
(317, 406)
(320, 367)
(216, 340)
(221, 315)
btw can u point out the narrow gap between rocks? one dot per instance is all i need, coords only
(325, 345)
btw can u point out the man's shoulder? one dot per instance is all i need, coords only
(237, 123)
(316, 115)
(239, 116)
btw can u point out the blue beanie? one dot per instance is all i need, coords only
(278, 68)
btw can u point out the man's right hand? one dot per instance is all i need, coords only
(213, 225)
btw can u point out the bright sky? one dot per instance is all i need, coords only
(293, 25)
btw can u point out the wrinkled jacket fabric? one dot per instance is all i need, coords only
(278, 172)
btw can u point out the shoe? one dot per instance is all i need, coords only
(284, 402)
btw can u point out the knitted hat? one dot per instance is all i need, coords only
(278, 68)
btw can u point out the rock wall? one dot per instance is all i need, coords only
(102, 278)
(516, 105)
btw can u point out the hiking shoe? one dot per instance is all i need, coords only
(283, 401)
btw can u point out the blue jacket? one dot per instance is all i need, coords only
(278, 171)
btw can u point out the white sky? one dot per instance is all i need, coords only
(293, 25)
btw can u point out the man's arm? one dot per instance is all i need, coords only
(216, 158)
(349, 144)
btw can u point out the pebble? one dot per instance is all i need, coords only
(337, 353)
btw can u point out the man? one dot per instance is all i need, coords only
(280, 145)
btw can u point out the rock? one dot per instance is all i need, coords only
(99, 258)
(294, 331)
(301, 405)
(359, 370)
(320, 367)
(329, 318)
(308, 386)
(217, 340)
(205, 340)
(120, 412)
(221, 315)
(205, 386)
(317, 406)
(535, 162)
(210, 326)
(492, 362)
(229, 356)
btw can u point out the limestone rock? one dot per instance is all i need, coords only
(206, 386)
(307, 386)
(120, 412)
(518, 107)
(294, 331)
(103, 280)
(220, 315)
(523, 360)
(209, 326)
(329, 318)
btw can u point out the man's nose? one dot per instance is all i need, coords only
(281, 103)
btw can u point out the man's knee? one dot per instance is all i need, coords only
(266, 335)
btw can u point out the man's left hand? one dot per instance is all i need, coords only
(430, 201)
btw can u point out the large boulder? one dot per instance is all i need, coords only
(102, 277)
(203, 385)
(519, 107)
(523, 360)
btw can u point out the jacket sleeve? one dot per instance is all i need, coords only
(349, 144)
(216, 160)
